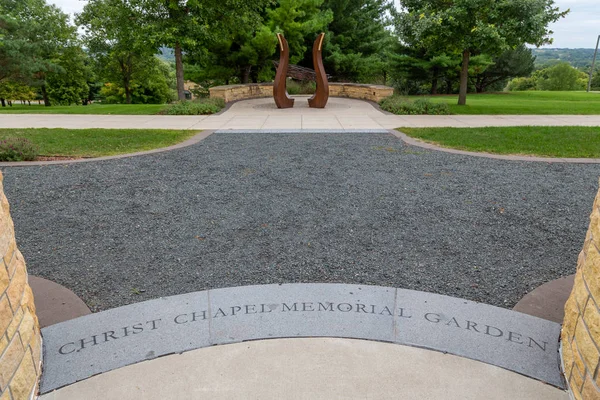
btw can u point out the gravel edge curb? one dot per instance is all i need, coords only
(191, 141)
(414, 142)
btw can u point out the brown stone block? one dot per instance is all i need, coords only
(28, 302)
(595, 225)
(27, 328)
(567, 356)
(590, 390)
(578, 357)
(4, 280)
(17, 286)
(14, 324)
(6, 314)
(580, 293)
(591, 264)
(570, 320)
(10, 360)
(586, 346)
(8, 257)
(3, 343)
(22, 384)
(5, 396)
(592, 319)
(576, 381)
(593, 283)
(35, 347)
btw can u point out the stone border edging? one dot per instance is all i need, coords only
(188, 142)
(78, 349)
(415, 142)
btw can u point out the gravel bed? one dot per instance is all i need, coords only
(257, 208)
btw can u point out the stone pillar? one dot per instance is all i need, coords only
(20, 339)
(580, 336)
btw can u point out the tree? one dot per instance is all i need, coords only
(69, 85)
(186, 25)
(114, 35)
(357, 38)
(474, 27)
(561, 77)
(300, 21)
(33, 36)
(510, 64)
(596, 80)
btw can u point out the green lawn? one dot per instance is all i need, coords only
(570, 141)
(533, 102)
(97, 142)
(122, 109)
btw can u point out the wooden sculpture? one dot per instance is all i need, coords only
(319, 99)
(280, 94)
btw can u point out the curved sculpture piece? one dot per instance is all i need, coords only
(280, 94)
(319, 99)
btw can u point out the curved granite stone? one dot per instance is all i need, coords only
(97, 343)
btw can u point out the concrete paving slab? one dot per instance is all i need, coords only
(80, 348)
(323, 368)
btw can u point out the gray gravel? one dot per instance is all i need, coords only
(240, 209)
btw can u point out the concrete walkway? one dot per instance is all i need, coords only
(315, 368)
(340, 113)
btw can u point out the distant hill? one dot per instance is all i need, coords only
(579, 58)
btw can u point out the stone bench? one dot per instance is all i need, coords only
(257, 90)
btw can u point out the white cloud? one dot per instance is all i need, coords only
(580, 28)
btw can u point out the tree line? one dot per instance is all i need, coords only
(110, 49)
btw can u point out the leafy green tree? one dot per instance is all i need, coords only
(357, 38)
(522, 84)
(114, 36)
(69, 85)
(13, 90)
(187, 25)
(561, 77)
(474, 27)
(511, 63)
(154, 84)
(300, 21)
(596, 80)
(33, 36)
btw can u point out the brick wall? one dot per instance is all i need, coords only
(256, 90)
(20, 340)
(581, 327)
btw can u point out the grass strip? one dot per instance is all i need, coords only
(97, 142)
(543, 141)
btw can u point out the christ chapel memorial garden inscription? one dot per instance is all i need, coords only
(75, 350)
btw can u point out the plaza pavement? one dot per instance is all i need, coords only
(340, 113)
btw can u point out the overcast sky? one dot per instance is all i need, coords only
(579, 29)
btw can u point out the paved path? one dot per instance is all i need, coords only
(262, 114)
(318, 368)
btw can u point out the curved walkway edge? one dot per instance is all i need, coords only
(414, 142)
(191, 141)
(78, 349)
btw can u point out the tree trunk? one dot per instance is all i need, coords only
(464, 79)
(245, 78)
(127, 93)
(179, 71)
(45, 96)
(434, 81)
(3, 102)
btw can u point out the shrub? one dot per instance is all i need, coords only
(403, 106)
(17, 149)
(197, 107)
(301, 87)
